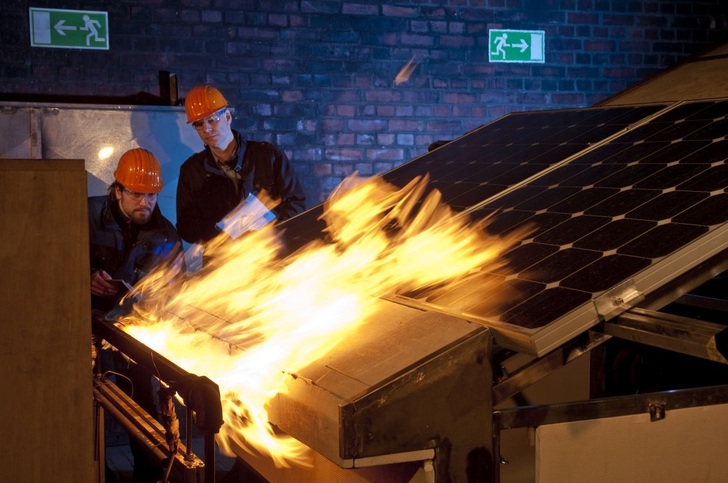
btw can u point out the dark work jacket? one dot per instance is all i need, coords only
(128, 252)
(205, 194)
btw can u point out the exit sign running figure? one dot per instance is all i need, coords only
(69, 29)
(516, 46)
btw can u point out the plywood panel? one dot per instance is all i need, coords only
(46, 407)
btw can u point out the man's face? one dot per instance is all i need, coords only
(137, 207)
(214, 130)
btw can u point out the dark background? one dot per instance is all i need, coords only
(317, 77)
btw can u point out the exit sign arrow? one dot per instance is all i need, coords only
(60, 27)
(69, 29)
(522, 44)
(516, 46)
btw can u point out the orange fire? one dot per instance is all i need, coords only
(252, 317)
(406, 72)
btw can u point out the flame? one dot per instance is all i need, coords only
(252, 317)
(406, 72)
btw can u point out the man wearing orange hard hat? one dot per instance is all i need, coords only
(229, 171)
(128, 234)
(128, 238)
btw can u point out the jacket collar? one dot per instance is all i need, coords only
(237, 161)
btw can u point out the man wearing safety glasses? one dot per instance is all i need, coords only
(229, 171)
(129, 237)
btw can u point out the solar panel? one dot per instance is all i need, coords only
(627, 215)
(621, 199)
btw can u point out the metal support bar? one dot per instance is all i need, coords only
(703, 302)
(539, 368)
(200, 394)
(533, 416)
(672, 332)
(210, 457)
(146, 430)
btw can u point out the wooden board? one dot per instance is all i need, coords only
(46, 407)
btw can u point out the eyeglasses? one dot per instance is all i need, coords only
(212, 120)
(140, 196)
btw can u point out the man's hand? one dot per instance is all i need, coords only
(100, 286)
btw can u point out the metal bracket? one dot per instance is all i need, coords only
(617, 300)
(657, 411)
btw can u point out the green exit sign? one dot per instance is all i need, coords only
(69, 29)
(516, 46)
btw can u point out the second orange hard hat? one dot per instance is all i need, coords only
(202, 101)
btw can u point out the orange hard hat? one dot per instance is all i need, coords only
(202, 101)
(138, 170)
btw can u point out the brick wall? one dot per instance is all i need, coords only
(317, 76)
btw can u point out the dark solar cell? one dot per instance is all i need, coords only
(623, 153)
(586, 177)
(715, 151)
(712, 179)
(571, 230)
(713, 130)
(629, 175)
(471, 194)
(524, 256)
(559, 265)
(707, 110)
(486, 174)
(547, 135)
(633, 114)
(692, 110)
(583, 200)
(613, 235)
(517, 174)
(559, 175)
(598, 132)
(546, 199)
(674, 151)
(622, 202)
(515, 198)
(544, 307)
(674, 131)
(667, 205)
(519, 153)
(641, 133)
(557, 152)
(711, 211)
(662, 240)
(605, 273)
(507, 222)
(669, 177)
